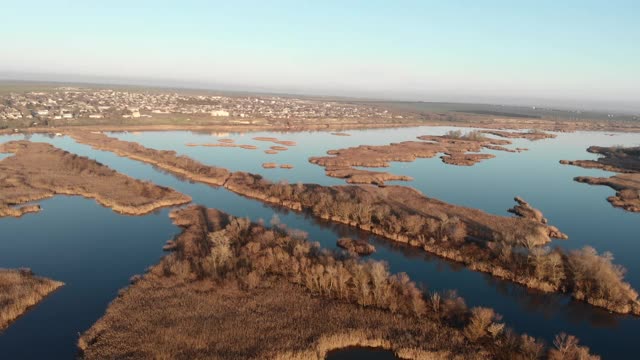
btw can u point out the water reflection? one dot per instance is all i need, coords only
(540, 315)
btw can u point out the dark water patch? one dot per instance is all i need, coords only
(361, 353)
(93, 250)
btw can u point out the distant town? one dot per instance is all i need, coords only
(64, 105)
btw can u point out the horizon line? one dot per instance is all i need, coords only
(190, 85)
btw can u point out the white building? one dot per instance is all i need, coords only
(219, 113)
(41, 112)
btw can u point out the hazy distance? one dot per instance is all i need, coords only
(577, 54)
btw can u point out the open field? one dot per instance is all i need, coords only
(20, 290)
(505, 111)
(37, 171)
(232, 289)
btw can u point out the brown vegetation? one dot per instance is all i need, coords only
(37, 171)
(163, 159)
(340, 134)
(271, 165)
(279, 148)
(525, 210)
(532, 135)
(233, 289)
(359, 176)
(624, 161)
(359, 247)
(276, 141)
(509, 248)
(455, 146)
(506, 247)
(20, 290)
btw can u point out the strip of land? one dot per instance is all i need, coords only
(532, 135)
(233, 289)
(624, 161)
(482, 122)
(457, 149)
(37, 171)
(20, 290)
(506, 247)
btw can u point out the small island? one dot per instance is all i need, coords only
(457, 149)
(19, 290)
(271, 165)
(510, 248)
(220, 294)
(275, 141)
(625, 162)
(532, 135)
(37, 171)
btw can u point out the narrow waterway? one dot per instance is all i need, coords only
(95, 251)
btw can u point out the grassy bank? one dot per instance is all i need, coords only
(233, 289)
(506, 247)
(20, 290)
(37, 171)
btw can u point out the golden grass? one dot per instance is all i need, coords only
(166, 318)
(183, 308)
(405, 215)
(20, 290)
(235, 290)
(38, 171)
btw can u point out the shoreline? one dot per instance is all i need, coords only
(350, 303)
(38, 171)
(626, 183)
(456, 148)
(496, 124)
(449, 244)
(21, 291)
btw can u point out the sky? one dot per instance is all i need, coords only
(578, 53)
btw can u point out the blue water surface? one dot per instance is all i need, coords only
(95, 251)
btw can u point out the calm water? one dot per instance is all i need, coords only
(94, 251)
(361, 353)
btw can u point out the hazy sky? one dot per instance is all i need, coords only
(574, 51)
